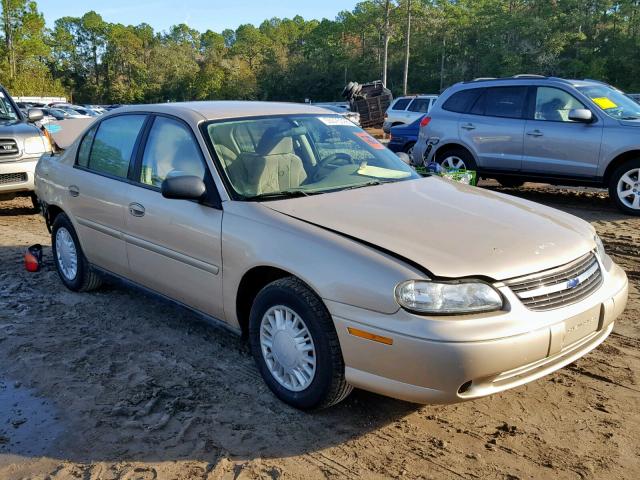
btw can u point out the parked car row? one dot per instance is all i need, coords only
(330, 272)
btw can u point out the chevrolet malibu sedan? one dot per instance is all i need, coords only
(290, 225)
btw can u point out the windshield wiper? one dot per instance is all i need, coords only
(292, 193)
(630, 117)
(367, 184)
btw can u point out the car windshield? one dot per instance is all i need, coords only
(613, 102)
(7, 111)
(299, 155)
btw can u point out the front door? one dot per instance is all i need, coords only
(495, 127)
(97, 190)
(174, 246)
(555, 145)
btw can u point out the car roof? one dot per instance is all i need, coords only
(225, 109)
(533, 79)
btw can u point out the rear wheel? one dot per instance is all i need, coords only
(295, 346)
(456, 158)
(72, 266)
(624, 187)
(408, 148)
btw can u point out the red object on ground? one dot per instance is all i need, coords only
(33, 258)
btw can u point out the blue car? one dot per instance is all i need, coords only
(404, 137)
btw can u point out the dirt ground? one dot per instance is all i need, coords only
(120, 385)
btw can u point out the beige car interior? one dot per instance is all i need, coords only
(273, 167)
(170, 151)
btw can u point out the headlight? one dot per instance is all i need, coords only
(599, 248)
(34, 145)
(448, 298)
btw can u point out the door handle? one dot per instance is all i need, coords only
(136, 210)
(469, 126)
(74, 191)
(535, 133)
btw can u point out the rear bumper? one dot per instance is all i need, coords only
(17, 176)
(439, 370)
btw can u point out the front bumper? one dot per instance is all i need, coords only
(447, 360)
(17, 176)
(386, 127)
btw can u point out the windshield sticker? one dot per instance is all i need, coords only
(337, 122)
(380, 172)
(604, 103)
(369, 140)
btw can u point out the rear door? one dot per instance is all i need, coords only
(494, 127)
(555, 145)
(97, 189)
(174, 245)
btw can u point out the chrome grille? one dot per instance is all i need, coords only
(6, 178)
(8, 146)
(559, 286)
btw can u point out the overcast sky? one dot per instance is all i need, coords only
(199, 14)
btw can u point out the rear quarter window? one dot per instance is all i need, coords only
(461, 102)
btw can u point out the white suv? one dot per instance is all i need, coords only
(406, 110)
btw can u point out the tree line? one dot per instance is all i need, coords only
(91, 60)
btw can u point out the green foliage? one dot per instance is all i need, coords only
(293, 59)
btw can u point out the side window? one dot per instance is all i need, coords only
(419, 105)
(401, 104)
(461, 102)
(553, 104)
(114, 143)
(171, 150)
(85, 148)
(505, 102)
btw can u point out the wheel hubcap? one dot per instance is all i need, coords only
(629, 189)
(287, 348)
(66, 254)
(454, 162)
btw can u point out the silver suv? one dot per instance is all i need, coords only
(21, 145)
(406, 110)
(534, 128)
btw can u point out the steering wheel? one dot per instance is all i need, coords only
(340, 159)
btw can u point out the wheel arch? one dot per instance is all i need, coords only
(51, 211)
(254, 280)
(617, 161)
(447, 147)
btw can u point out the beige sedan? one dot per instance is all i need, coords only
(341, 265)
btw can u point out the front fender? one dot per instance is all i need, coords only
(337, 268)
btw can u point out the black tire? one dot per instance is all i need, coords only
(328, 386)
(461, 153)
(408, 148)
(510, 182)
(630, 166)
(85, 278)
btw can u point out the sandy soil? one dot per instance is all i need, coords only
(120, 385)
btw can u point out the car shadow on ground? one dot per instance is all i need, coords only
(122, 375)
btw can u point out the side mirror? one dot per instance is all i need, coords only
(34, 115)
(581, 115)
(186, 187)
(404, 157)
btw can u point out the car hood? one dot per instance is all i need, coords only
(449, 229)
(17, 128)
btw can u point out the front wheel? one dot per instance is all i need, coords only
(295, 346)
(624, 187)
